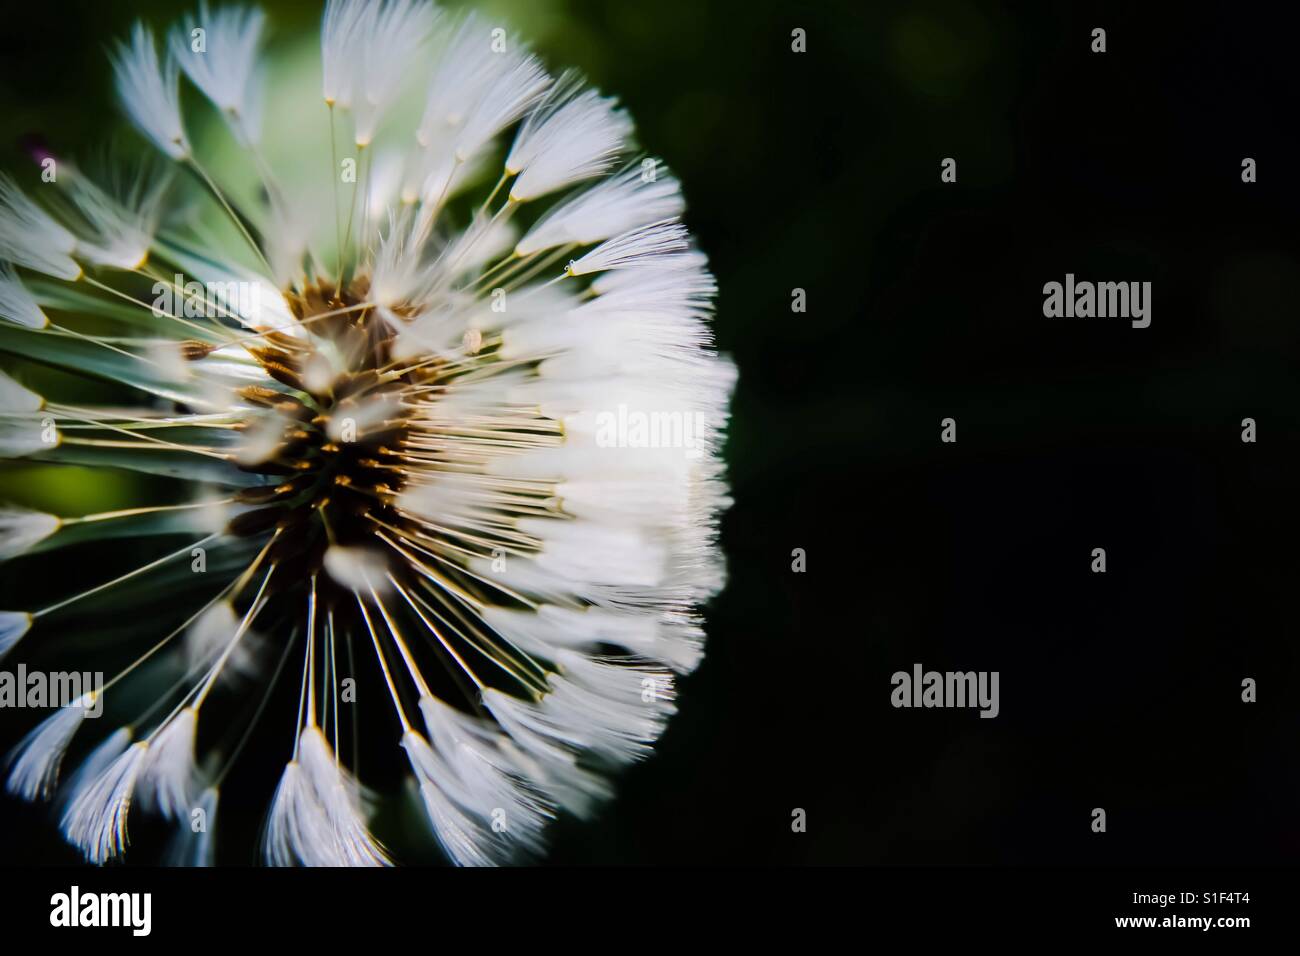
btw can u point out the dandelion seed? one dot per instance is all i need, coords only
(225, 69)
(22, 529)
(13, 625)
(31, 238)
(34, 763)
(96, 819)
(17, 305)
(150, 93)
(168, 777)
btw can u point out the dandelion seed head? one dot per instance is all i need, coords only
(421, 453)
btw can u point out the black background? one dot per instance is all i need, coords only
(821, 171)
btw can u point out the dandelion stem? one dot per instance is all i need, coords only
(251, 615)
(383, 664)
(234, 216)
(125, 577)
(257, 714)
(338, 217)
(132, 512)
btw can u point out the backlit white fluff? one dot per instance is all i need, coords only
(316, 818)
(385, 44)
(517, 85)
(465, 65)
(150, 92)
(466, 836)
(34, 763)
(121, 229)
(554, 629)
(401, 274)
(168, 779)
(589, 551)
(30, 237)
(94, 764)
(96, 817)
(488, 773)
(572, 136)
(339, 34)
(614, 710)
(13, 625)
(17, 305)
(16, 398)
(618, 204)
(226, 69)
(297, 831)
(21, 529)
(633, 248)
(676, 286)
(552, 749)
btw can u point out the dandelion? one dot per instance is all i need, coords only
(372, 339)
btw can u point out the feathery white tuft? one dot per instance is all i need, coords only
(553, 753)
(21, 529)
(34, 763)
(386, 43)
(466, 837)
(296, 829)
(618, 204)
(168, 778)
(573, 135)
(149, 92)
(470, 782)
(17, 305)
(617, 710)
(350, 843)
(226, 68)
(16, 398)
(633, 248)
(121, 229)
(519, 81)
(338, 36)
(31, 238)
(466, 65)
(316, 818)
(21, 435)
(13, 625)
(95, 763)
(96, 817)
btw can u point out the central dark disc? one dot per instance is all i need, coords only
(338, 469)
